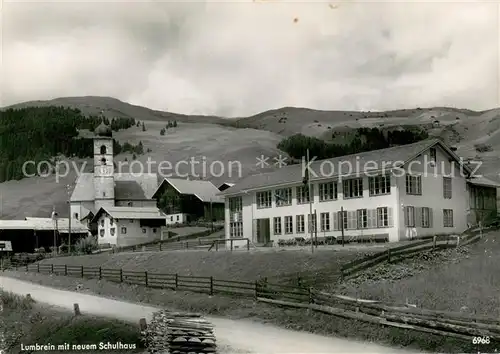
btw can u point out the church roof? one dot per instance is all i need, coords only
(103, 130)
(127, 187)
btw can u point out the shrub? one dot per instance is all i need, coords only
(86, 245)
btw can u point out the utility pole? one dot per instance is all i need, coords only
(69, 219)
(316, 228)
(54, 218)
(342, 223)
(307, 182)
(211, 215)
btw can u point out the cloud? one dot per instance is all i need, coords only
(240, 58)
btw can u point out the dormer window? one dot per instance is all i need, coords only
(103, 150)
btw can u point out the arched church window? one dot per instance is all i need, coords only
(103, 161)
(103, 150)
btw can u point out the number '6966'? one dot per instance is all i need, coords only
(480, 340)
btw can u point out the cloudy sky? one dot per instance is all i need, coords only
(237, 58)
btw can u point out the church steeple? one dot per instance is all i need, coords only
(104, 184)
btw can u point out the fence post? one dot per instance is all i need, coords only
(38, 266)
(248, 244)
(121, 275)
(146, 278)
(458, 241)
(187, 245)
(211, 286)
(232, 244)
(52, 268)
(299, 282)
(434, 241)
(27, 268)
(311, 299)
(100, 273)
(81, 271)
(160, 246)
(216, 245)
(389, 255)
(256, 289)
(65, 269)
(176, 281)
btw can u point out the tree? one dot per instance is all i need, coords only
(143, 127)
(162, 131)
(170, 201)
(174, 124)
(134, 157)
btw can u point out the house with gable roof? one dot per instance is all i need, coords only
(399, 193)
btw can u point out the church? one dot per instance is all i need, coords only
(119, 204)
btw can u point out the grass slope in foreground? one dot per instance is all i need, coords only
(26, 323)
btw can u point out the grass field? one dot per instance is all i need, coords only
(455, 280)
(27, 323)
(279, 266)
(240, 308)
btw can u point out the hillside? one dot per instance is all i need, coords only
(239, 141)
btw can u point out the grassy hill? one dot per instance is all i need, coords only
(239, 141)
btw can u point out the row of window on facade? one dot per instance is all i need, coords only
(350, 220)
(352, 188)
(123, 229)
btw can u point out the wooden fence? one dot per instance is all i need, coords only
(449, 324)
(397, 253)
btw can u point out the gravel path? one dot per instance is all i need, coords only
(233, 336)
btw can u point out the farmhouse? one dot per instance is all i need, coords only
(185, 200)
(104, 188)
(31, 233)
(392, 194)
(126, 226)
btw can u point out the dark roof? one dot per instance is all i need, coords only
(388, 158)
(103, 130)
(129, 190)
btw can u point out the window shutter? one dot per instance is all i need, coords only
(336, 216)
(418, 217)
(430, 218)
(389, 217)
(354, 224)
(372, 218)
(405, 212)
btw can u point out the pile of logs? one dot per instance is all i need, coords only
(179, 333)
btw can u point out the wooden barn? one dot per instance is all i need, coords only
(31, 233)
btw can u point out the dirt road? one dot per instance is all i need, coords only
(233, 336)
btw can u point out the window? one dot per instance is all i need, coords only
(131, 221)
(101, 232)
(327, 191)
(154, 230)
(448, 217)
(353, 188)
(432, 153)
(102, 222)
(112, 231)
(236, 229)
(143, 230)
(413, 185)
(362, 217)
(177, 217)
(124, 230)
(171, 218)
(300, 224)
(311, 223)
(103, 194)
(111, 222)
(264, 199)
(130, 204)
(103, 161)
(379, 185)
(382, 217)
(426, 217)
(325, 221)
(288, 225)
(409, 216)
(447, 187)
(235, 204)
(303, 194)
(75, 215)
(277, 225)
(103, 150)
(283, 197)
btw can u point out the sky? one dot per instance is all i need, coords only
(237, 58)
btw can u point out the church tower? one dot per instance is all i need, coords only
(104, 183)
